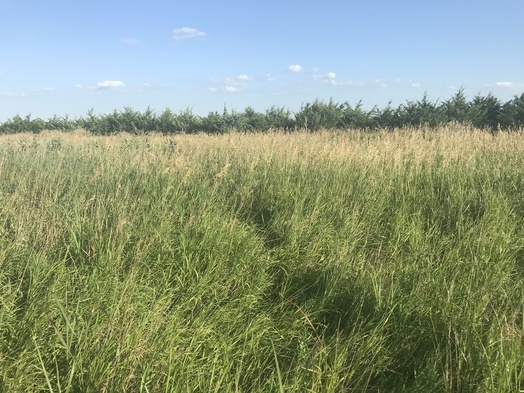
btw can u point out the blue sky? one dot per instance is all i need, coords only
(68, 56)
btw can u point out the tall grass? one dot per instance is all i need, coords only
(324, 262)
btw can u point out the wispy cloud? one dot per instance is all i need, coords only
(244, 77)
(185, 33)
(331, 78)
(505, 84)
(231, 89)
(110, 84)
(406, 83)
(104, 85)
(130, 41)
(296, 68)
(231, 84)
(241, 79)
(379, 83)
(334, 82)
(46, 89)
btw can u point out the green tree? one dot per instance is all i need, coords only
(486, 112)
(457, 109)
(512, 113)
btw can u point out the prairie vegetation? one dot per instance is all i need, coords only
(297, 262)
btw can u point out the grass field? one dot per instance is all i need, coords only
(327, 262)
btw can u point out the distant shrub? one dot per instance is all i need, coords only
(484, 112)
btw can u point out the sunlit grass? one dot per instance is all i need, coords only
(329, 262)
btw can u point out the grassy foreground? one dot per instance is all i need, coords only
(267, 262)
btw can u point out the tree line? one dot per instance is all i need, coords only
(484, 112)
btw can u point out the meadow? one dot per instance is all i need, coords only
(343, 261)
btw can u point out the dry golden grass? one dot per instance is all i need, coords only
(447, 144)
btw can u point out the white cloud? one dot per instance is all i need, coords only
(296, 68)
(110, 85)
(346, 83)
(130, 41)
(211, 89)
(185, 33)
(400, 82)
(232, 83)
(269, 78)
(379, 83)
(48, 89)
(505, 84)
(244, 77)
(329, 78)
(79, 86)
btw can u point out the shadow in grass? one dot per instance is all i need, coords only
(262, 213)
(347, 309)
